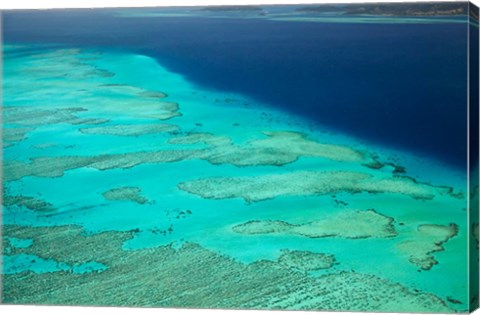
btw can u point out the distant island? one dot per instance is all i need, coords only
(392, 9)
(233, 8)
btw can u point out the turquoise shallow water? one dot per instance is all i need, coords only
(71, 78)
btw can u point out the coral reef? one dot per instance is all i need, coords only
(149, 109)
(44, 145)
(31, 203)
(349, 224)
(190, 277)
(35, 116)
(298, 143)
(219, 150)
(12, 135)
(305, 260)
(74, 70)
(201, 137)
(427, 240)
(125, 193)
(56, 166)
(129, 130)
(304, 183)
(129, 90)
(278, 148)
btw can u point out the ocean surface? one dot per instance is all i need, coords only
(323, 155)
(396, 84)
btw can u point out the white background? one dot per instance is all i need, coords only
(43, 4)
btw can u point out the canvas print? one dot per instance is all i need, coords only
(290, 157)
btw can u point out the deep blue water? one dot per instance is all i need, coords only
(474, 91)
(403, 85)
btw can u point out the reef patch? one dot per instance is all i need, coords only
(130, 90)
(56, 166)
(304, 183)
(201, 137)
(305, 260)
(35, 116)
(129, 130)
(219, 150)
(12, 135)
(428, 239)
(125, 193)
(28, 202)
(349, 224)
(278, 148)
(151, 109)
